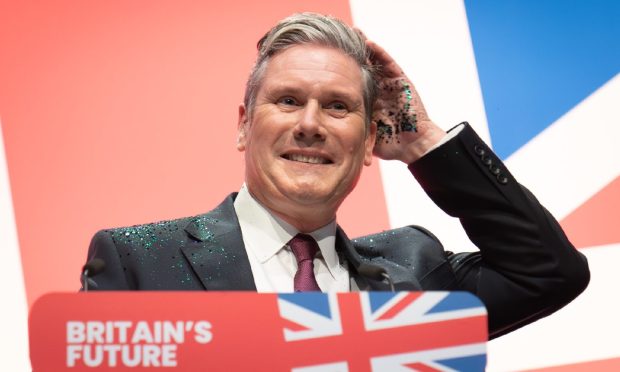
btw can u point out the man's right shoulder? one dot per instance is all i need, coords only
(148, 234)
(153, 255)
(145, 256)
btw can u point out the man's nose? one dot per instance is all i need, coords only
(310, 128)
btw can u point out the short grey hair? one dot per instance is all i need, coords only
(312, 28)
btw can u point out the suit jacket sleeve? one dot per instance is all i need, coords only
(526, 268)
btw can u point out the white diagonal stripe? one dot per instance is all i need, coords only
(317, 324)
(431, 42)
(585, 330)
(14, 317)
(576, 156)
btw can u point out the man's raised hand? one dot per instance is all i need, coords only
(404, 130)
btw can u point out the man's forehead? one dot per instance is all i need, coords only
(308, 64)
(306, 51)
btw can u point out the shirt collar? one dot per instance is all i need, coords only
(265, 234)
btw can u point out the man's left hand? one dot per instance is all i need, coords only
(404, 130)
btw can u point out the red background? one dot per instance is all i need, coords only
(116, 113)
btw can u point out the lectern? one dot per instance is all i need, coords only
(247, 331)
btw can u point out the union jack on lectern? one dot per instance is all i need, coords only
(396, 317)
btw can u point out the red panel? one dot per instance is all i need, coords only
(124, 112)
(234, 339)
(596, 221)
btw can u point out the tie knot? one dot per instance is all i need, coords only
(304, 247)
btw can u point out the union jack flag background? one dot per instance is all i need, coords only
(440, 330)
(114, 113)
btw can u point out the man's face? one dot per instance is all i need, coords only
(305, 142)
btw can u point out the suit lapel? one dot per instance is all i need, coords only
(216, 252)
(345, 247)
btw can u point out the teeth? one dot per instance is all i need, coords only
(307, 159)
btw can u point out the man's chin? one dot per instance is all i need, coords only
(309, 194)
(308, 197)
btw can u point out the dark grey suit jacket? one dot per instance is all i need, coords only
(525, 270)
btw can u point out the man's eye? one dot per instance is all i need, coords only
(337, 106)
(288, 101)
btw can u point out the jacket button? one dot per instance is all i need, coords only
(494, 169)
(479, 150)
(486, 160)
(501, 178)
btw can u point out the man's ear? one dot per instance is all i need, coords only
(242, 126)
(370, 143)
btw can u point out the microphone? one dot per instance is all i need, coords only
(376, 273)
(92, 268)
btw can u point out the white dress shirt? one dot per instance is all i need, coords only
(273, 263)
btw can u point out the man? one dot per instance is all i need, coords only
(320, 101)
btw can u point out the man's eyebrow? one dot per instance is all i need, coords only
(284, 89)
(334, 93)
(345, 96)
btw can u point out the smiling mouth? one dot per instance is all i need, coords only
(307, 159)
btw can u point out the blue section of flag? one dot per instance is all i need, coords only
(378, 299)
(314, 301)
(469, 363)
(456, 301)
(538, 59)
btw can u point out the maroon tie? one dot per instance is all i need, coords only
(304, 248)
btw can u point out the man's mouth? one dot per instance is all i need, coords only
(307, 159)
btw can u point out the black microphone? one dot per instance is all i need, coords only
(376, 273)
(92, 268)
